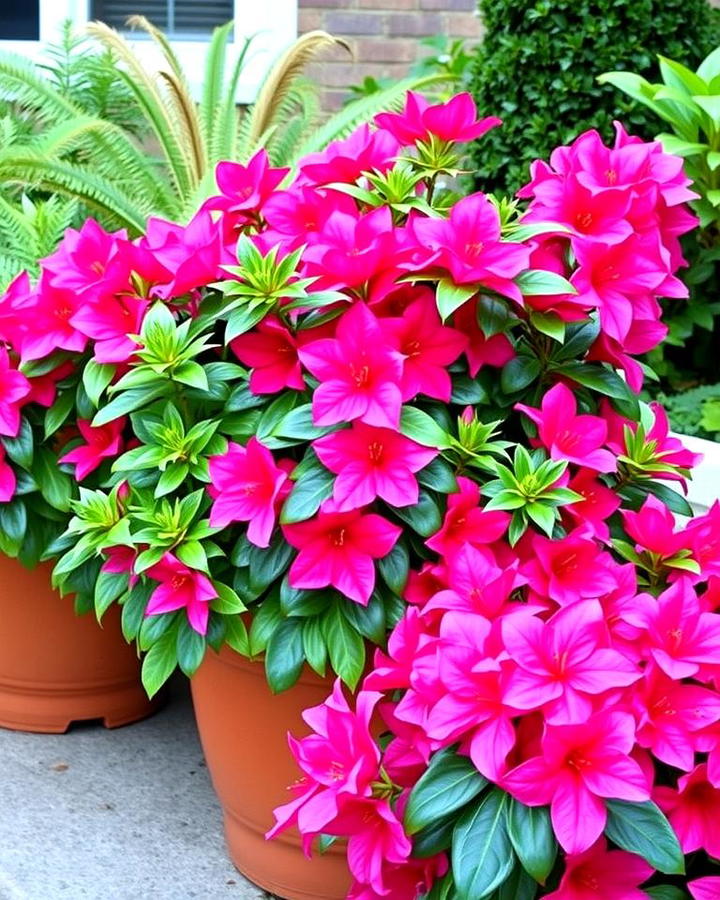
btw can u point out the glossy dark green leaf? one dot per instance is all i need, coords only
(449, 782)
(482, 855)
(641, 828)
(285, 655)
(532, 837)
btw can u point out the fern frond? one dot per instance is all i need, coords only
(222, 143)
(213, 82)
(24, 168)
(180, 94)
(23, 83)
(283, 74)
(362, 110)
(151, 101)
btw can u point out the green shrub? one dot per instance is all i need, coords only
(538, 63)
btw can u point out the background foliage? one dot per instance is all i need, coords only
(537, 66)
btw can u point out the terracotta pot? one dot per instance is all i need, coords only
(243, 728)
(57, 668)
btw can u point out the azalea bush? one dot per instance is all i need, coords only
(338, 405)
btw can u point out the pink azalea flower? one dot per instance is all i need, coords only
(455, 120)
(557, 569)
(372, 462)
(301, 211)
(351, 249)
(466, 522)
(703, 534)
(53, 311)
(346, 160)
(693, 811)
(599, 874)
(481, 351)
(247, 486)
(14, 390)
(339, 760)
(375, 838)
(359, 373)
(476, 584)
(653, 528)
(43, 388)
(181, 588)
(563, 663)
(473, 704)
(89, 262)
(16, 306)
(681, 637)
(669, 715)
(705, 888)
(338, 548)
(428, 347)
(109, 322)
(271, 352)
(244, 189)
(392, 670)
(407, 881)
(616, 278)
(577, 439)
(579, 766)
(468, 246)
(8, 482)
(121, 561)
(598, 504)
(101, 442)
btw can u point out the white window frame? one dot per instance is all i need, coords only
(273, 22)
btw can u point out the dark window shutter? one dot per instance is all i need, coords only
(181, 18)
(19, 20)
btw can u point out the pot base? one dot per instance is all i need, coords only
(54, 712)
(254, 857)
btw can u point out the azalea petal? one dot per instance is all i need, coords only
(578, 817)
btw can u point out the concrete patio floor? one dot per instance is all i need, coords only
(127, 814)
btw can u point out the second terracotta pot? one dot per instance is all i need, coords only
(243, 728)
(57, 668)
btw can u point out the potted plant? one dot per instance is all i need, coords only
(685, 362)
(55, 668)
(296, 396)
(544, 721)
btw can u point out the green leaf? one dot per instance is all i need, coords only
(266, 618)
(133, 610)
(641, 828)
(438, 476)
(227, 602)
(520, 372)
(493, 315)
(191, 648)
(96, 377)
(314, 646)
(128, 401)
(13, 524)
(236, 635)
(243, 319)
(424, 517)
(423, 429)
(450, 296)
(482, 855)
(267, 565)
(550, 324)
(345, 646)
(20, 448)
(518, 886)
(539, 283)
(449, 782)
(285, 655)
(597, 378)
(159, 663)
(532, 837)
(369, 621)
(109, 586)
(171, 479)
(666, 892)
(435, 838)
(315, 485)
(56, 414)
(55, 485)
(395, 567)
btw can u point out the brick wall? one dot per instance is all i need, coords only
(384, 35)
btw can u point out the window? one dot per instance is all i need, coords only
(179, 18)
(25, 25)
(20, 20)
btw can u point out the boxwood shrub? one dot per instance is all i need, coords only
(537, 66)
